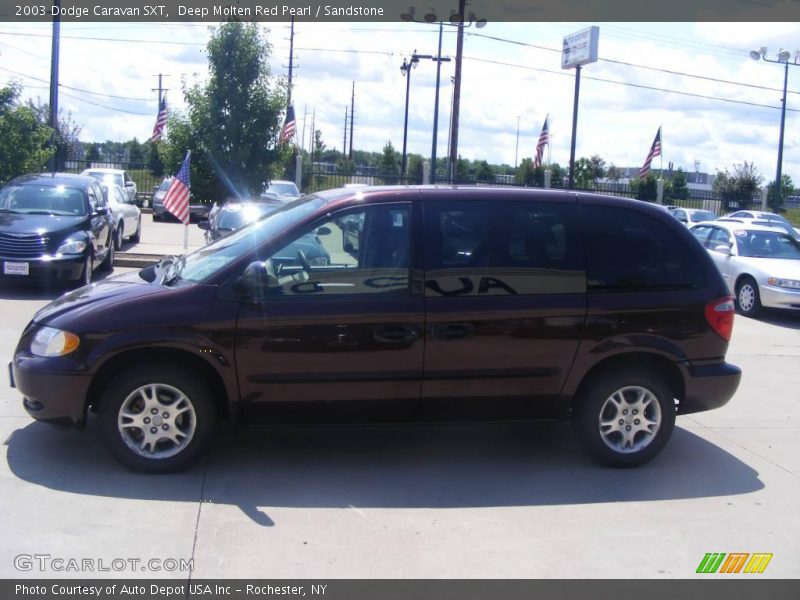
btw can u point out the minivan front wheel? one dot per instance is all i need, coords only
(624, 417)
(155, 419)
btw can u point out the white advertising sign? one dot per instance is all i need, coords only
(580, 48)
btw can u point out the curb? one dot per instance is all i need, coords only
(129, 259)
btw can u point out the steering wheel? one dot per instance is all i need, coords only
(301, 256)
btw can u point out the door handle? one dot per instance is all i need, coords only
(452, 331)
(395, 334)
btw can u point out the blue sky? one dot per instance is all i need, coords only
(510, 70)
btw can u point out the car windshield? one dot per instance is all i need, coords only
(42, 199)
(164, 185)
(208, 261)
(284, 189)
(702, 215)
(108, 178)
(238, 215)
(767, 244)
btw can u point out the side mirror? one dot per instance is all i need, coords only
(130, 184)
(723, 249)
(324, 231)
(100, 211)
(255, 280)
(204, 225)
(683, 220)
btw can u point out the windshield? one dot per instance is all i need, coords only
(284, 189)
(702, 215)
(208, 261)
(40, 199)
(108, 178)
(237, 215)
(164, 185)
(767, 244)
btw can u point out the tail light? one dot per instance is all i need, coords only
(719, 314)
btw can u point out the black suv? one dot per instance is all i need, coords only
(54, 226)
(434, 303)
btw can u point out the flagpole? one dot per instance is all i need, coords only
(661, 154)
(549, 145)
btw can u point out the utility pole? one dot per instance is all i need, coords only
(291, 62)
(54, 83)
(453, 150)
(516, 148)
(160, 89)
(352, 110)
(313, 134)
(303, 138)
(344, 142)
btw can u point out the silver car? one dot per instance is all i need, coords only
(127, 216)
(761, 265)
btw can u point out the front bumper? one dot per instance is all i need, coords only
(39, 269)
(49, 394)
(708, 386)
(776, 297)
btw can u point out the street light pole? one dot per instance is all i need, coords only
(783, 58)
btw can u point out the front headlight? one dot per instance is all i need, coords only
(50, 342)
(792, 284)
(72, 247)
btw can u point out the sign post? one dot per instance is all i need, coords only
(579, 49)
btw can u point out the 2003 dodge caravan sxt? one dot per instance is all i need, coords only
(435, 303)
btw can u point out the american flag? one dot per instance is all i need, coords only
(176, 200)
(161, 122)
(289, 126)
(655, 150)
(544, 139)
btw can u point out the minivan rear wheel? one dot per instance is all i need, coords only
(623, 418)
(156, 419)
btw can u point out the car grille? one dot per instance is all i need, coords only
(22, 246)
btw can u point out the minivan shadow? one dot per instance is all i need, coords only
(43, 290)
(412, 466)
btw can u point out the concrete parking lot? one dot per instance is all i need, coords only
(494, 501)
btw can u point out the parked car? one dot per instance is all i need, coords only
(127, 216)
(764, 221)
(118, 177)
(197, 210)
(234, 215)
(459, 303)
(688, 216)
(286, 190)
(54, 226)
(761, 265)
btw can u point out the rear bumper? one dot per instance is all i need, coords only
(708, 386)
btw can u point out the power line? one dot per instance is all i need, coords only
(629, 64)
(624, 83)
(74, 89)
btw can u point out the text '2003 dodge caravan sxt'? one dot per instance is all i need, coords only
(433, 303)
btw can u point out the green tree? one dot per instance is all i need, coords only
(737, 186)
(234, 120)
(415, 169)
(319, 146)
(24, 139)
(584, 173)
(389, 164)
(787, 189)
(614, 173)
(680, 190)
(483, 172)
(645, 188)
(345, 166)
(92, 153)
(135, 151)
(66, 138)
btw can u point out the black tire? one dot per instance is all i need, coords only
(86, 272)
(748, 298)
(108, 261)
(156, 217)
(118, 235)
(124, 391)
(594, 404)
(137, 236)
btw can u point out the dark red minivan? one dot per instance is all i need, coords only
(435, 303)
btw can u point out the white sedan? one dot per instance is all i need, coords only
(761, 265)
(127, 216)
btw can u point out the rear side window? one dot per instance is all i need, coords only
(502, 248)
(628, 250)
